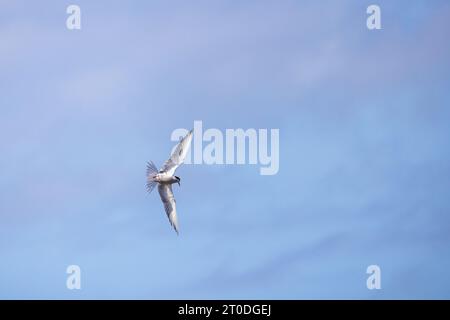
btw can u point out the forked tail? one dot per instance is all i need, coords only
(152, 171)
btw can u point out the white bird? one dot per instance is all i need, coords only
(165, 177)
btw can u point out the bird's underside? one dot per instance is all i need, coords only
(165, 177)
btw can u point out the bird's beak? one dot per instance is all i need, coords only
(179, 184)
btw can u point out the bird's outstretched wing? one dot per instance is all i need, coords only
(178, 155)
(165, 191)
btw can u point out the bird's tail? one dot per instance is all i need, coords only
(152, 171)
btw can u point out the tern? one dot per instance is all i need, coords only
(165, 177)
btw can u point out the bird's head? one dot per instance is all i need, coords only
(178, 180)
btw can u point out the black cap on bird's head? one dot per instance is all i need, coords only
(178, 180)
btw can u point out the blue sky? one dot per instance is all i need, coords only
(364, 149)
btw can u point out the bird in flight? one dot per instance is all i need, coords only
(165, 177)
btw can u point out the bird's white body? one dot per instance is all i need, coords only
(165, 177)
